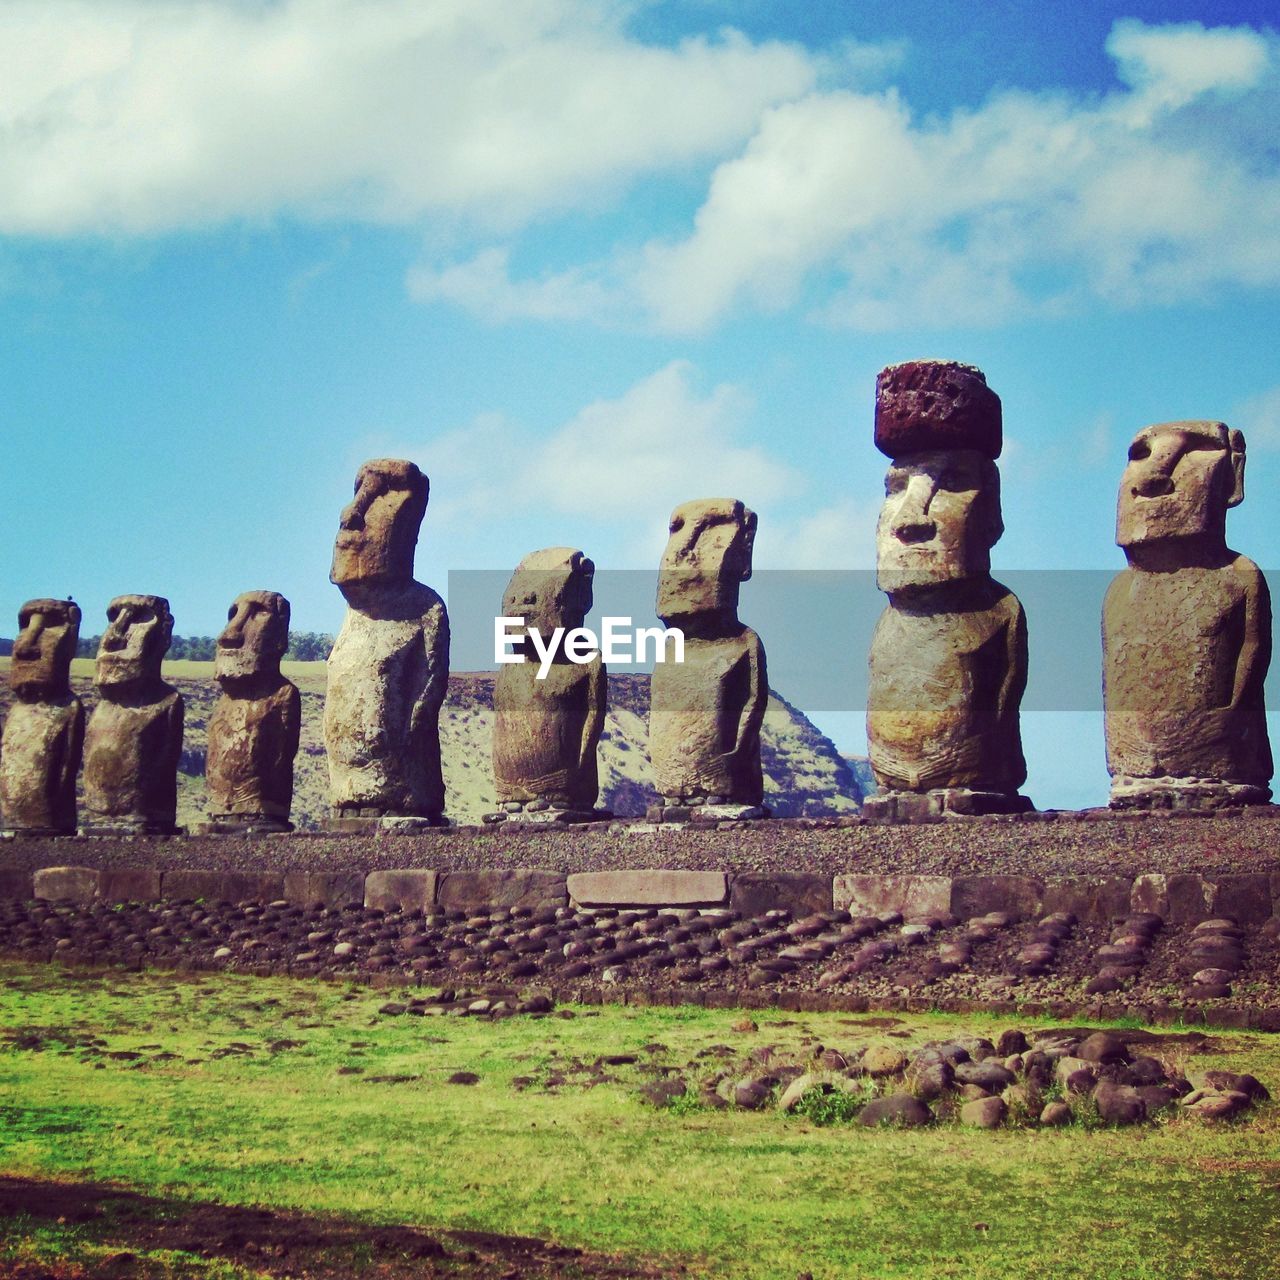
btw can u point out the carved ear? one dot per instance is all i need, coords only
(1236, 444)
(749, 522)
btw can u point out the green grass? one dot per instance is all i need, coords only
(728, 1193)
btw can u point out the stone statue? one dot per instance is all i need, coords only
(389, 669)
(1186, 630)
(44, 734)
(949, 652)
(253, 733)
(705, 712)
(134, 739)
(546, 731)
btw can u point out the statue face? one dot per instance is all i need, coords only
(378, 531)
(940, 519)
(1180, 479)
(255, 637)
(137, 637)
(42, 653)
(708, 554)
(550, 589)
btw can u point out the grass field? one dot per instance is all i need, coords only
(294, 1094)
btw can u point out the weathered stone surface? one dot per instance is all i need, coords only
(1245, 898)
(44, 731)
(871, 895)
(949, 629)
(222, 886)
(1180, 899)
(1118, 1104)
(134, 738)
(327, 889)
(400, 890)
(129, 884)
(389, 667)
(1186, 630)
(705, 712)
(253, 732)
(883, 1060)
(16, 884)
(984, 1113)
(1055, 1115)
(1088, 898)
(547, 721)
(900, 1110)
(66, 884)
(1019, 897)
(924, 405)
(754, 893)
(649, 888)
(475, 891)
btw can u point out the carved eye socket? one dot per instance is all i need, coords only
(1139, 450)
(895, 482)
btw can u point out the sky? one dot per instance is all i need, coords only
(583, 261)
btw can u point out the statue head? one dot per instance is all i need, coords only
(939, 521)
(549, 589)
(378, 530)
(941, 426)
(133, 646)
(1179, 482)
(255, 637)
(41, 664)
(708, 554)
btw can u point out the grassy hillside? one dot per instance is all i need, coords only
(804, 773)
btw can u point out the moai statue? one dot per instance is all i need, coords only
(389, 670)
(949, 653)
(253, 732)
(1186, 630)
(546, 730)
(705, 712)
(134, 739)
(44, 734)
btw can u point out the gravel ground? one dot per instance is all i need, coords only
(1067, 844)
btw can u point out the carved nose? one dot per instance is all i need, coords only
(918, 530)
(352, 517)
(1153, 487)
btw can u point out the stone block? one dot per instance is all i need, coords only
(753, 893)
(222, 886)
(1088, 898)
(869, 895)
(657, 888)
(323, 888)
(1180, 899)
(66, 884)
(129, 884)
(475, 891)
(16, 885)
(406, 890)
(1020, 896)
(1150, 893)
(1245, 898)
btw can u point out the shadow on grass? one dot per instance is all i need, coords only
(90, 1230)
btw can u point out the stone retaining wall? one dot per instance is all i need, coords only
(1180, 898)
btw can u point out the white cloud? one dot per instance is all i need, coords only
(625, 462)
(149, 115)
(1165, 189)
(1259, 418)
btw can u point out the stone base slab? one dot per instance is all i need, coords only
(386, 824)
(1184, 795)
(940, 804)
(649, 888)
(546, 817)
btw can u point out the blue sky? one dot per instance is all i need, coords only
(582, 261)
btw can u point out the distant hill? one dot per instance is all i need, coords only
(805, 775)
